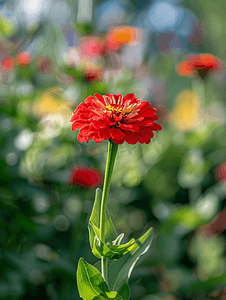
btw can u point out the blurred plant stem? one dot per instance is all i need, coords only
(199, 89)
(112, 150)
(194, 193)
(85, 11)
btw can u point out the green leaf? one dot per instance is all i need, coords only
(187, 217)
(75, 73)
(108, 250)
(110, 232)
(113, 295)
(122, 248)
(124, 291)
(100, 249)
(118, 240)
(91, 284)
(6, 27)
(207, 285)
(120, 270)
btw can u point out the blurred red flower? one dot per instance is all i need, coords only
(24, 59)
(91, 71)
(93, 74)
(114, 117)
(120, 36)
(199, 65)
(91, 47)
(85, 177)
(221, 172)
(214, 227)
(7, 64)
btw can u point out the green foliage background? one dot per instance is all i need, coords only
(169, 184)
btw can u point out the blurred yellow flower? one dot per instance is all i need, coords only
(51, 102)
(186, 113)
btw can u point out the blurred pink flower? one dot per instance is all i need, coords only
(91, 47)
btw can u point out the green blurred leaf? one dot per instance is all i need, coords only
(75, 73)
(169, 245)
(120, 270)
(208, 205)
(187, 217)
(200, 136)
(164, 62)
(193, 168)
(97, 87)
(6, 27)
(83, 29)
(207, 285)
(91, 284)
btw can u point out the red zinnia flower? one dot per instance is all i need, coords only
(7, 64)
(200, 64)
(24, 59)
(85, 177)
(116, 118)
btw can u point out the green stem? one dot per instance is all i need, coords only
(112, 150)
(198, 87)
(194, 193)
(104, 266)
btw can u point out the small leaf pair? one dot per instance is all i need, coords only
(110, 251)
(119, 271)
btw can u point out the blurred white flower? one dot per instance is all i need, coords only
(72, 94)
(72, 56)
(25, 89)
(12, 159)
(24, 139)
(52, 125)
(61, 223)
(41, 203)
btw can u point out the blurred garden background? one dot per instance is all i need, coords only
(53, 54)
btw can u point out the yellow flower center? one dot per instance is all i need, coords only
(114, 109)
